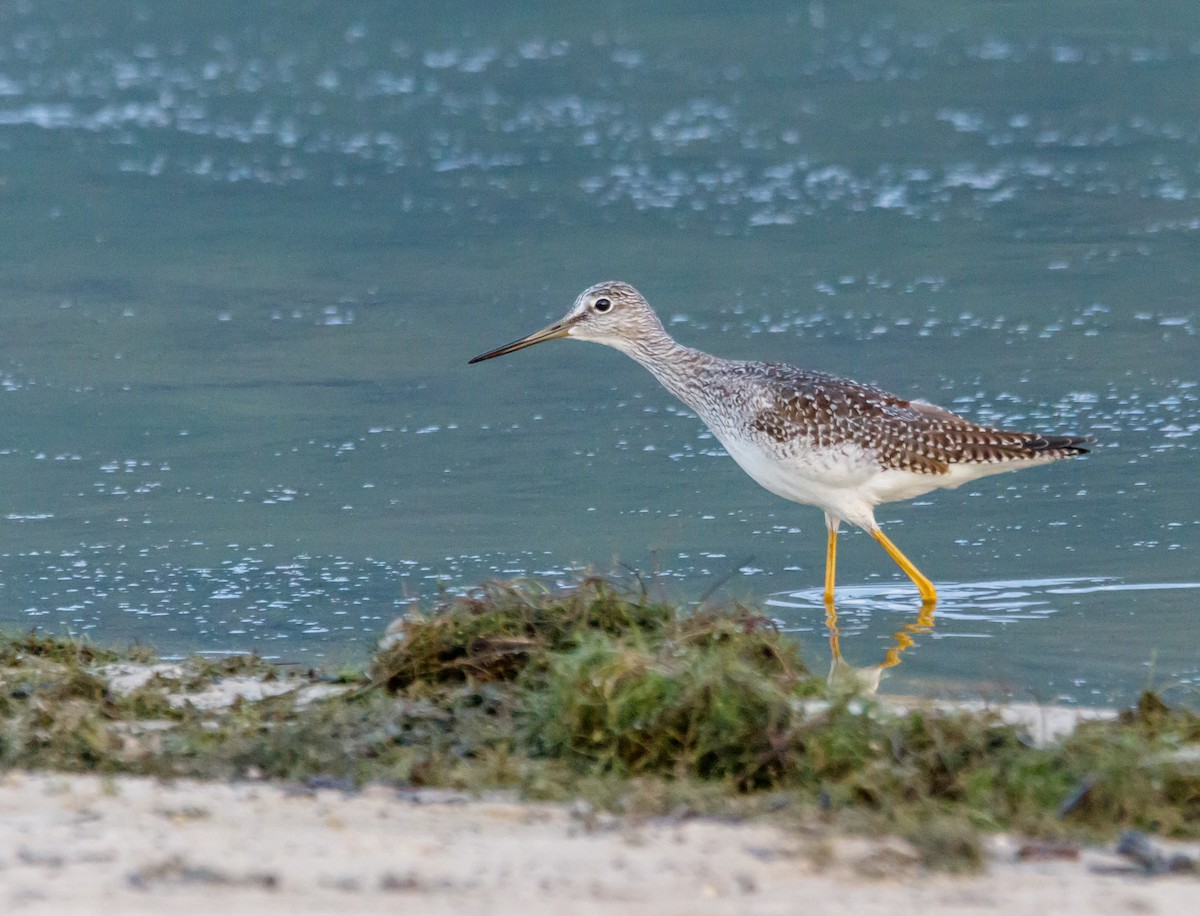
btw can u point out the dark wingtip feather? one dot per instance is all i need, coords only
(1067, 445)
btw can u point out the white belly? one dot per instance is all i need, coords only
(847, 483)
(832, 481)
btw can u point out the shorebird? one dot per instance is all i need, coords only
(810, 437)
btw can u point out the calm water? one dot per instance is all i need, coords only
(248, 249)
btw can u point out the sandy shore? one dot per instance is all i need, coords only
(86, 844)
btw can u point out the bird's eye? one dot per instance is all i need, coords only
(602, 304)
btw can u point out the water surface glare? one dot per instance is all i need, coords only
(249, 248)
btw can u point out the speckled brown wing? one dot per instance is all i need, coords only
(818, 411)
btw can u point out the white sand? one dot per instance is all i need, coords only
(85, 844)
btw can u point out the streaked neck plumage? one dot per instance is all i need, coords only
(683, 371)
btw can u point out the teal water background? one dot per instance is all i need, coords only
(247, 249)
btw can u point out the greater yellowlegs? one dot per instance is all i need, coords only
(807, 436)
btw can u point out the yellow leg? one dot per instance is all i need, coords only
(924, 586)
(830, 565)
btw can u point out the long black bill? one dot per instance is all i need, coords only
(558, 329)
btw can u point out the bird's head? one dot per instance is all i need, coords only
(611, 313)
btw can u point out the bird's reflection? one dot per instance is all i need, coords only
(845, 678)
